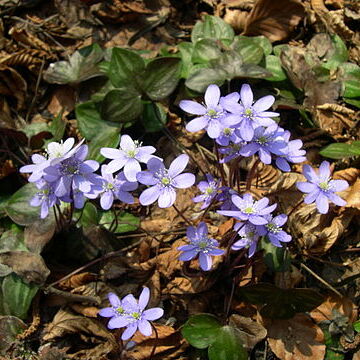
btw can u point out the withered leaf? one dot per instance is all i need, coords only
(251, 332)
(38, 234)
(29, 266)
(297, 338)
(274, 19)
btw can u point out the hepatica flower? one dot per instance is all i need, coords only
(250, 209)
(131, 314)
(45, 197)
(164, 181)
(249, 237)
(321, 188)
(251, 115)
(212, 115)
(128, 156)
(273, 229)
(209, 189)
(200, 245)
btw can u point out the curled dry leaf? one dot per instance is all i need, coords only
(169, 345)
(297, 338)
(88, 311)
(181, 285)
(274, 19)
(251, 332)
(78, 280)
(29, 266)
(333, 303)
(288, 279)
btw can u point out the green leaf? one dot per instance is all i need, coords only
(273, 64)
(16, 296)
(227, 345)
(154, 117)
(212, 27)
(205, 50)
(339, 53)
(57, 127)
(108, 136)
(10, 327)
(121, 105)
(18, 207)
(277, 259)
(200, 79)
(278, 48)
(264, 42)
(340, 150)
(354, 102)
(125, 221)
(281, 303)
(161, 77)
(201, 330)
(125, 68)
(351, 80)
(90, 215)
(35, 128)
(82, 65)
(356, 326)
(249, 50)
(186, 49)
(90, 122)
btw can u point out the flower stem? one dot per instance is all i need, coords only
(219, 164)
(182, 215)
(155, 343)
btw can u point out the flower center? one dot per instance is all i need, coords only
(228, 131)
(209, 190)
(165, 181)
(70, 167)
(120, 310)
(273, 228)
(262, 140)
(132, 153)
(109, 187)
(248, 113)
(164, 178)
(325, 186)
(136, 315)
(249, 210)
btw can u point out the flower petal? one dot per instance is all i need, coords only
(192, 107)
(264, 103)
(153, 314)
(106, 312)
(131, 168)
(246, 95)
(144, 298)
(212, 96)
(149, 195)
(118, 322)
(306, 187)
(205, 261)
(111, 153)
(106, 200)
(178, 165)
(322, 203)
(311, 197)
(145, 327)
(127, 143)
(336, 199)
(214, 129)
(114, 300)
(184, 181)
(129, 331)
(188, 255)
(324, 170)
(197, 124)
(167, 198)
(310, 174)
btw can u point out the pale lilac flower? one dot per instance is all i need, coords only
(250, 115)
(131, 314)
(249, 209)
(273, 229)
(45, 197)
(225, 198)
(164, 181)
(231, 152)
(227, 135)
(210, 189)
(321, 188)
(128, 156)
(249, 237)
(37, 168)
(73, 173)
(294, 155)
(200, 245)
(266, 141)
(212, 115)
(117, 187)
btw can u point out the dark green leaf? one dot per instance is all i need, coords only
(264, 42)
(273, 64)
(351, 80)
(252, 71)
(90, 122)
(81, 66)
(201, 330)
(339, 53)
(186, 49)
(229, 63)
(16, 296)
(281, 303)
(227, 345)
(205, 50)
(126, 68)
(121, 105)
(212, 27)
(154, 117)
(339, 151)
(161, 77)
(108, 136)
(57, 127)
(18, 207)
(354, 102)
(277, 259)
(200, 79)
(125, 221)
(249, 50)
(90, 215)
(356, 326)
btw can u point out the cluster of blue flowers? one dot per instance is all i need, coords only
(242, 128)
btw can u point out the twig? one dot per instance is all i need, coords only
(182, 215)
(321, 280)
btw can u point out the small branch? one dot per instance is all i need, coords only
(182, 215)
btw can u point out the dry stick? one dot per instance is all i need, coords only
(182, 215)
(321, 280)
(203, 157)
(220, 165)
(250, 174)
(156, 341)
(230, 299)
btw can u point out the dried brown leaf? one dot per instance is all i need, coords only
(297, 338)
(38, 234)
(29, 266)
(333, 302)
(274, 19)
(288, 279)
(182, 285)
(62, 99)
(168, 346)
(78, 280)
(251, 332)
(352, 195)
(88, 311)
